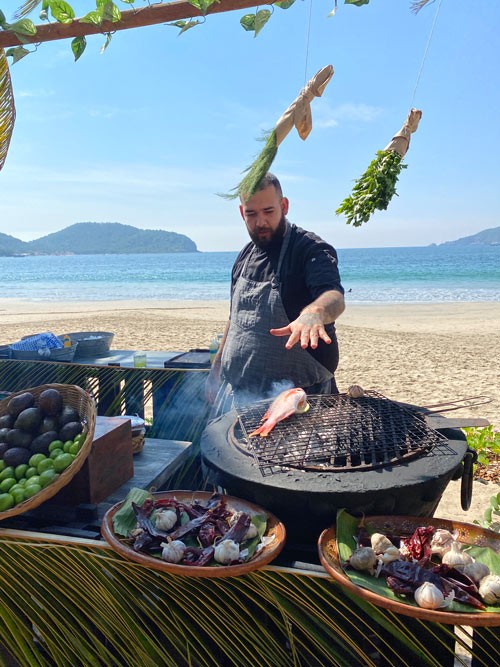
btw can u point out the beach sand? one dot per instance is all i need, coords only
(421, 354)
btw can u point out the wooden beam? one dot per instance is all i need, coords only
(134, 18)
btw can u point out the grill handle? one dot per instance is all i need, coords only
(467, 477)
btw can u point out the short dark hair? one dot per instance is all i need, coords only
(271, 179)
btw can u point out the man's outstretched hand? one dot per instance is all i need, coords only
(307, 329)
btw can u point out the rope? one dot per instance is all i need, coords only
(425, 52)
(308, 41)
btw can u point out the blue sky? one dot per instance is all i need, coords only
(149, 131)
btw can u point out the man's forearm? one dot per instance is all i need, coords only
(329, 305)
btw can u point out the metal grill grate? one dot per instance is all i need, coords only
(339, 434)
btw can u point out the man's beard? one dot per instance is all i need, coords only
(274, 237)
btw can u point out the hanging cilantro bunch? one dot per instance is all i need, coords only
(374, 189)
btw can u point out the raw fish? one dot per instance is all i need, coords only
(284, 405)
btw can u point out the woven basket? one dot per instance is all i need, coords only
(138, 442)
(79, 399)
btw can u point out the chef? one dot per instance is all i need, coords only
(286, 295)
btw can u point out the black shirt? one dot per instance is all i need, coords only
(310, 267)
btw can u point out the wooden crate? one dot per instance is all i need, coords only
(108, 465)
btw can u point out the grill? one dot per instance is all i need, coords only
(339, 434)
(369, 455)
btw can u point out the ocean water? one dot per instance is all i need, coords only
(371, 275)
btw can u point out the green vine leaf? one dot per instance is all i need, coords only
(61, 11)
(109, 11)
(23, 28)
(93, 18)
(248, 22)
(261, 18)
(3, 22)
(284, 4)
(185, 25)
(109, 37)
(358, 3)
(17, 53)
(78, 46)
(202, 5)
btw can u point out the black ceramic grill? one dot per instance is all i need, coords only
(339, 434)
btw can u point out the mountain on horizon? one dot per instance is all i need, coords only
(99, 238)
(486, 237)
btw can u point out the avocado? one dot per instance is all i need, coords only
(68, 414)
(4, 446)
(16, 455)
(29, 420)
(18, 438)
(3, 434)
(70, 430)
(49, 424)
(50, 402)
(7, 421)
(40, 444)
(20, 402)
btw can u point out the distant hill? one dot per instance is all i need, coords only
(97, 238)
(486, 237)
(11, 246)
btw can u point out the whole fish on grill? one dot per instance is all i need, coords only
(284, 405)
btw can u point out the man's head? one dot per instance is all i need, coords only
(264, 213)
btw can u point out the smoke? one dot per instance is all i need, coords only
(244, 398)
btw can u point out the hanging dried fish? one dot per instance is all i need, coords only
(377, 186)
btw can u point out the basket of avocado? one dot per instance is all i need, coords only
(46, 433)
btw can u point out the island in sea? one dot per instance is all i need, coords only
(98, 238)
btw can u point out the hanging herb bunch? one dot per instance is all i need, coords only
(377, 186)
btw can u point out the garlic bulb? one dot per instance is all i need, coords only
(364, 558)
(428, 596)
(226, 552)
(476, 571)
(390, 554)
(489, 589)
(380, 543)
(165, 519)
(355, 391)
(441, 541)
(173, 551)
(455, 557)
(252, 530)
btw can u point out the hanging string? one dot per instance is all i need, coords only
(425, 53)
(307, 41)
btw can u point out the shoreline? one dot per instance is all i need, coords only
(415, 353)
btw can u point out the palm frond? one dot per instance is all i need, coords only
(7, 108)
(26, 8)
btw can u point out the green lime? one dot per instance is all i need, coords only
(22, 482)
(30, 472)
(67, 445)
(55, 453)
(33, 480)
(56, 444)
(31, 490)
(2, 465)
(20, 470)
(62, 462)
(47, 477)
(46, 464)
(35, 459)
(18, 495)
(6, 501)
(6, 473)
(7, 484)
(75, 448)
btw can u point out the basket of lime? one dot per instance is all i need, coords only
(46, 433)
